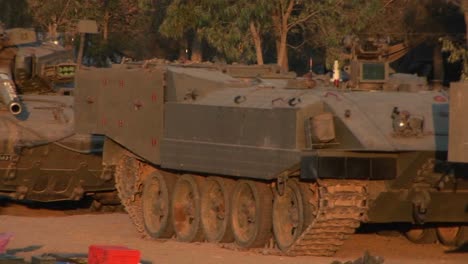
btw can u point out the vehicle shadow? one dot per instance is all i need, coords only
(26, 249)
(461, 249)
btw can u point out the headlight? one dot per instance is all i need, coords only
(405, 124)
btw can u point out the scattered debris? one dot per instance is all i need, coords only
(11, 259)
(57, 259)
(366, 259)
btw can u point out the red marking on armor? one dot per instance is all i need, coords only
(440, 98)
(105, 82)
(121, 123)
(154, 97)
(104, 121)
(154, 142)
(121, 83)
(332, 94)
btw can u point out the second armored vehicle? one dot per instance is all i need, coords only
(41, 157)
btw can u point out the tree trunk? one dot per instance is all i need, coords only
(183, 51)
(280, 23)
(196, 49)
(466, 23)
(281, 60)
(283, 52)
(438, 62)
(257, 42)
(79, 59)
(464, 8)
(105, 26)
(52, 31)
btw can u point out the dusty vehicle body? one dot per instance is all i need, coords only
(41, 157)
(457, 152)
(207, 156)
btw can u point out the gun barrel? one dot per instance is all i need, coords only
(9, 97)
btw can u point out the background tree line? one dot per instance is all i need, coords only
(286, 32)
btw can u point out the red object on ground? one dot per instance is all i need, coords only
(100, 254)
(4, 239)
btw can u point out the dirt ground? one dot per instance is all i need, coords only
(45, 231)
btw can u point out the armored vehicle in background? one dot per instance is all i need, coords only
(41, 157)
(368, 66)
(206, 156)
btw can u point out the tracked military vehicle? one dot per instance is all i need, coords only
(202, 155)
(41, 157)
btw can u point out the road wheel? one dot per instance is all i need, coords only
(215, 209)
(186, 209)
(421, 235)
(251, 213)
(292, 212)
(451, 236)
(156, 199)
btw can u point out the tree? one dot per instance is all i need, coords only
(123, 15)
(54, 15)
(15, 14)
(463, 5)
(184, 20)
(335, 20)
(427, 21)
(237, 29)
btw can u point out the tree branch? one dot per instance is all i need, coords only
(302, 20)
(389, 2)
(287, 14)
(59, 18)
(298, 46)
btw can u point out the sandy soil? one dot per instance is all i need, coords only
(44, 231)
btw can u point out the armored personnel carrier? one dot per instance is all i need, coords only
(41, 157)
(201, 155)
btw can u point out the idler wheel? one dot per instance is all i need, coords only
(421, 235)
(451, 236)
(156, 199)
(251, 214)
(215, 209)
(292, 212)
(186, 209)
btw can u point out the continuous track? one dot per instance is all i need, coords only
(128, 185)
(341, 207)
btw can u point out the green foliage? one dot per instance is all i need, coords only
(457, 53)
(15, 14)
(137, 26)
(223, 24)
(183, 16)
(123, 24)
(336, 19)
(98, 51)
(228, 29)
